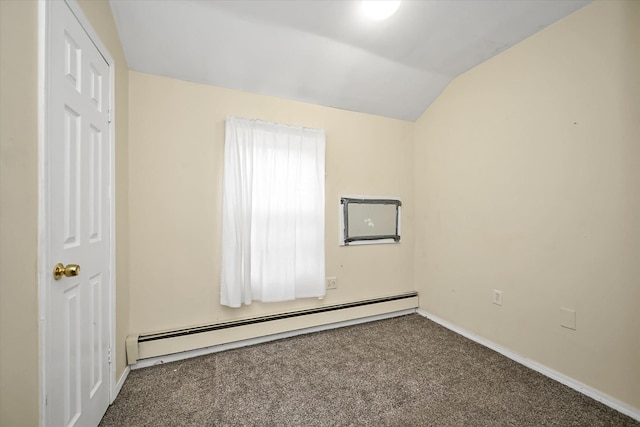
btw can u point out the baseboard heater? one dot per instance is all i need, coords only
(154, 344)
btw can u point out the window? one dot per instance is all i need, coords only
(366, 220)
(273, 213)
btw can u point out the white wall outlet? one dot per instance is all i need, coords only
(497, 297)
(332, 283)
(568, 318)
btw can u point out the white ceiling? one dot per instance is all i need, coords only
(323, 51)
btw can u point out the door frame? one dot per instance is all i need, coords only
(45, 263)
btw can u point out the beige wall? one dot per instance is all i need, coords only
(527, 180)
(18, 214)
(176, 148)
(19, 365)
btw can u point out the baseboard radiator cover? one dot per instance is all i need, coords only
(150, 345)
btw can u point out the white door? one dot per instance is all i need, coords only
(77, 223)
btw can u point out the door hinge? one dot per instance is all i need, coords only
(109, 114)
(109, 355)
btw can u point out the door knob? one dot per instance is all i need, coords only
(69, 271)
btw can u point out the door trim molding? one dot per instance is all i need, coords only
(44, 260)
(121, 381)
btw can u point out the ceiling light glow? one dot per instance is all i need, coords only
(379, 9)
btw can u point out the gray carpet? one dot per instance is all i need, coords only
(406, 371)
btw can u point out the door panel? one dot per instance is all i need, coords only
(78, 223)
(96, 357)
(72, 374)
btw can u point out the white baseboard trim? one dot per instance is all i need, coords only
(144, 363)
(120, 383)
(544, 370)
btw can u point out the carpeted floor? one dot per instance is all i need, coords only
(406, 371)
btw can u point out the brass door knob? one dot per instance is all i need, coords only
(69, 271)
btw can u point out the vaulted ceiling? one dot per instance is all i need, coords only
(325, 51)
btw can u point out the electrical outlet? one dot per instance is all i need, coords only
(497, 297)
(332, 283)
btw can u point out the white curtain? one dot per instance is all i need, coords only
(273, 213)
